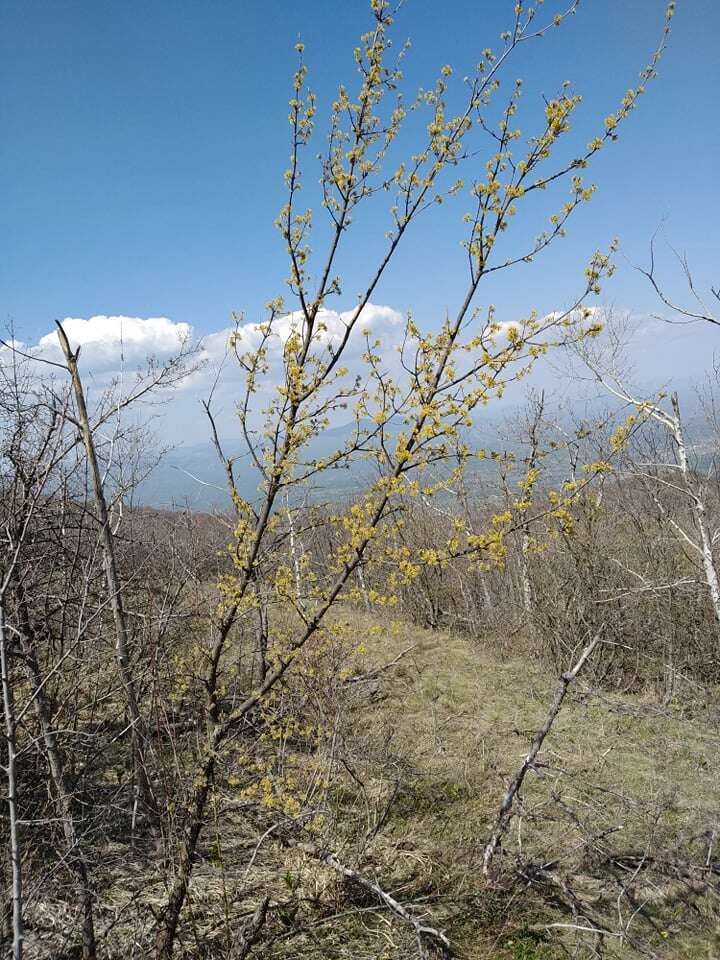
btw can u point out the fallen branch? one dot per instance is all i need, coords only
(505, 812)
(250, 933)
(373, 674)
(426, 936)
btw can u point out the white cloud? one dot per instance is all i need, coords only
(376, 322)
(109, 344)
(115, 345)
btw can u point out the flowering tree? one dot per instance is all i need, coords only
(410, 425)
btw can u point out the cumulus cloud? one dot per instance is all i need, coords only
(373, 320)
(376, 323)
(109, 344)
(115, 346)
(112, 346)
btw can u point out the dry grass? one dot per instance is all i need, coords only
(438, 736)
(462, 718)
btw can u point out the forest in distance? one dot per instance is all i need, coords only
(417, 654)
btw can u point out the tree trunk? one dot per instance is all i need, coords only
(708, 562)
(505, 812)
(111, 577)
(12, 800)
(63, 787)
(526, 583)
(167, 931)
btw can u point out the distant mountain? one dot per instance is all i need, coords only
(192, 476)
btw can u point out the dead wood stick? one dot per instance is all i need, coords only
(505, 812)
(373, 674)
(424, 934)
(251, 931)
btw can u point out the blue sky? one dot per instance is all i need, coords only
(143, 145)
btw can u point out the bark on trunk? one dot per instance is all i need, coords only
(167, 931)
(65, 797)
(12, 799)
(111, 577)
(708, 562)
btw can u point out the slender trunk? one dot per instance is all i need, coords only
(11, 775)
(194, 819)
(63, 787)
(526, 584)
(111, 576)
(294, 553)
(486, 593)
(263, 639)
(167, 930)
(363, 588)
(711, 574)
(538, 409)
